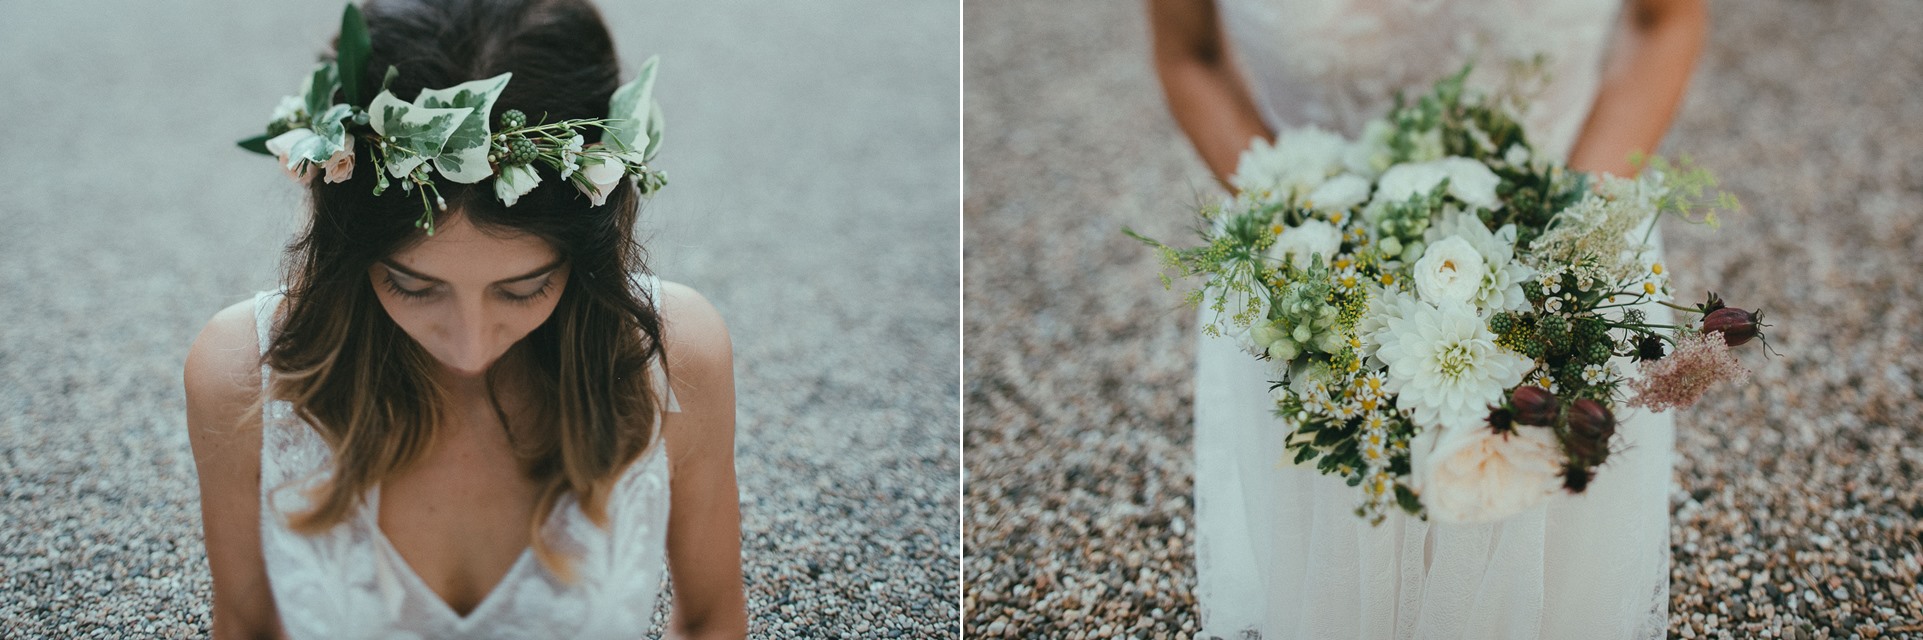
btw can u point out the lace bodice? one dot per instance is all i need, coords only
(349, 582)
(1336, 63)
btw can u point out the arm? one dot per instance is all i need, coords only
(1204, 91)
(704, 514)
(1649, 66)
(222, 379)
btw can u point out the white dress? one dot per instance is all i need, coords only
(349, 582)
(1280, 552)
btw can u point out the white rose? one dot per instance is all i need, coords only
(1469, 181)
(1450, 270)
(514, 182)
(1477, 475)
(1313, 237)
(1299, 160)
(602, 177)
(340, 166)
(1340, 193)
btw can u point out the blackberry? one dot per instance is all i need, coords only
(1553, 331)
(1590, 329)
(1598, 352)
(513, 119)
(520, 151)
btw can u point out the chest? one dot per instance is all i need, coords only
(460, 516)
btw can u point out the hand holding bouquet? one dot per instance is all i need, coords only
(1441, 305)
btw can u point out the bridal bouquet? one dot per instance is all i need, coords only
(1441, 305)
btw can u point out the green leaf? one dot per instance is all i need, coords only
(464, 158)
(392, 73)
(256, 144)
(631, 109)
(416, 133)
(351, 52)
(655, 125)
(317, 91)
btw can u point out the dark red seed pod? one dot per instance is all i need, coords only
(1535, 406)
(1502, 420)
(1590, 427)
(1576, 478)
(1736, 325)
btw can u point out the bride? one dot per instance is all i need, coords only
(1280, 553)
(494, 426)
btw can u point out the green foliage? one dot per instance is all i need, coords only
(351, 53)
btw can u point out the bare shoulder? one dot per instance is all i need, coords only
(700, 371)
(223, 365)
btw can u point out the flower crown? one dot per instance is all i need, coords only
(446, 131)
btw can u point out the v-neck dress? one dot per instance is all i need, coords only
(350, 582)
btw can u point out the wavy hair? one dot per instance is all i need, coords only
(363, 384)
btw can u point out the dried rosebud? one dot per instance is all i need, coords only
(1590, 427)
(1736, 325)
(1650, 347)
(1535, 406)
(1575, 478)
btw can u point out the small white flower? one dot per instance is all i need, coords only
(1553, 304)
(602, 176)
(1450, 271)
(1347, 280)
(1593, 374)
(1445, 365)
(1477, 475)
(1516, 156)
(571, 156)
(1313, 237)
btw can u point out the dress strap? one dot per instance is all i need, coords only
(662, 388)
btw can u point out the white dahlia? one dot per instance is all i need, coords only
(1445, 365)
(1298, 161)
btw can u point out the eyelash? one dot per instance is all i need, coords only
(511, 299)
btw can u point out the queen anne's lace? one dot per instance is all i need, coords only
(350, 583)
(1280, 552)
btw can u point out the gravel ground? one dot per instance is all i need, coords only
(1795, 499)
(814, 151)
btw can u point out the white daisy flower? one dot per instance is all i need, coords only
(1445, 366)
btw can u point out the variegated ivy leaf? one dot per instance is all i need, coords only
(417, 133)
(330, 136)
(632, 112)
(464, 158)
(317, 90)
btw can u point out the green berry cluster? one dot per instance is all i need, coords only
(1553, 331)
(513, 119)
(520, 151)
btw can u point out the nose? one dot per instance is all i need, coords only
(468, 347)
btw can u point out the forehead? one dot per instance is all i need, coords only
(459, 252)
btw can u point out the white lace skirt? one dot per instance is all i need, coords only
(1281, 554)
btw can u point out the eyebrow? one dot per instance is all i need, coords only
(422, 276)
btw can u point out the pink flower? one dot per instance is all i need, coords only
(1700, 361)
(340, 166)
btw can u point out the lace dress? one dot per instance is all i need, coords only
(351, 583)
(1280, 552)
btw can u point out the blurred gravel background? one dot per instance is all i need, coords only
(814, 157)
(1796, 501)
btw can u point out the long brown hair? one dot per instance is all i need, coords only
(363, 384)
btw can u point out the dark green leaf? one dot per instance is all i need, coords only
(351, 52)
(257, 144)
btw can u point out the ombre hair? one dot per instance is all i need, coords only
(363, 384)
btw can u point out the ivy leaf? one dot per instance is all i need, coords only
(351, 52)
(330, 136)
(317, 91)
(631, 109)
(464, 158)
(417, 133)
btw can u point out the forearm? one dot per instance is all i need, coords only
(1204, 92)
(1642, 86)
(1214, 109)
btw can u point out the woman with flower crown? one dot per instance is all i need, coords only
(1280, 553)
(469, 412)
